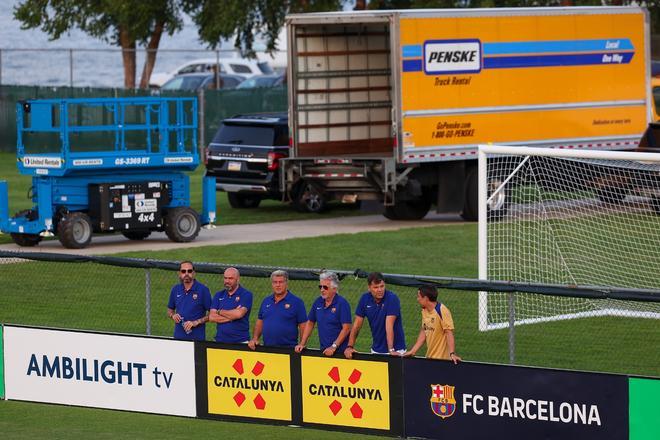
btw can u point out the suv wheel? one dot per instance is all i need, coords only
(243, 201)
(309, 198)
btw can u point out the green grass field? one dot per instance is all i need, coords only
(268, 211)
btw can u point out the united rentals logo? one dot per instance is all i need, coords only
(249, 384)
(351, 393)
(443, 403)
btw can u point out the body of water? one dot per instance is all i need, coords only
(28, 57)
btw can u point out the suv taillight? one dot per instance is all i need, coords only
(273, 160)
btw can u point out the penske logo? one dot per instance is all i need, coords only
(452, 56)
(249, 384)
(343, 392)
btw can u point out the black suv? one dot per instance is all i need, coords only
(244, 157)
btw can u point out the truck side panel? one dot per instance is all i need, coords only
(571, 77)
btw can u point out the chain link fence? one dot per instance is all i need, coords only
(130, 296)
(215, 105)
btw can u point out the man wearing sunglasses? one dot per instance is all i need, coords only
(282, 315)
(382, 309)
(190, 302)
(333, 313)
(231, 308)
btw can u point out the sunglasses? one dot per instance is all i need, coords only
(187, 270)
(324, 287)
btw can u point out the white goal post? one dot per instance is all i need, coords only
(568, 217)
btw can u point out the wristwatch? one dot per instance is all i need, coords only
(391, 350)
(334, 345)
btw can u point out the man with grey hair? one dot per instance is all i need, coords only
(281, 315)
(230, 309)
(333, 313)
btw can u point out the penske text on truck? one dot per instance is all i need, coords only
(391, 106)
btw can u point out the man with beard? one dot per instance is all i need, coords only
(230, 309)
(189, 304)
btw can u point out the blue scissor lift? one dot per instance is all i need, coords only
(107, 165)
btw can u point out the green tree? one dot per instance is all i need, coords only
(120, 22)
(244, 20)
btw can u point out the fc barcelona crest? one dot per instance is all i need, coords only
(442, 400)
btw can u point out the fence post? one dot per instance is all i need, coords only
(71, 67)
(147, 292)
(201, 103)
(512, 328)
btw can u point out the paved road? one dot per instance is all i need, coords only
(256, 233)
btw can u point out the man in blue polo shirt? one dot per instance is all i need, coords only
(189, 304)
(383, 311)
(281, 315)
(333, 314)
(230, 309)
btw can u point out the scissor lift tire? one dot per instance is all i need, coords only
(182, 224)
(75, 230)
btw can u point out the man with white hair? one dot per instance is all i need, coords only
(333, 314)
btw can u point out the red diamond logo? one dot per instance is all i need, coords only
(239, 398)
(356, 410)
(259, 402)
(334, 374)
(238, 366)
(335, 407)
(258, 368)
(355, 377)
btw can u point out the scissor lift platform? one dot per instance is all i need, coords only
(107, 165)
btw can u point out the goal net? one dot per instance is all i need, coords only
(585, 218)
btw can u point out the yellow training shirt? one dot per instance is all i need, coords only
(434, 325)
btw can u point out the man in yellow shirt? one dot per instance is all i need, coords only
(437, 327)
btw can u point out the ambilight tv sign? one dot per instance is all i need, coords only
(100, 370)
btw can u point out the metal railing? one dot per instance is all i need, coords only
(130, 296)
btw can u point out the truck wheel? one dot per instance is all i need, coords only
(243, 201)
(26, 240)
(182, 224)
(136, 235)
(497, 208)
(309, 198)
(408, 210)
(75, 230)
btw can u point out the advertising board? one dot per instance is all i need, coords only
(100, 370)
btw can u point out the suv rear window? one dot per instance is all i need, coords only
(248, 135)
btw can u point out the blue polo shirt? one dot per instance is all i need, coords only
(330, 320)
(191, 305)
(281, 320)
(238, 330)
(376, 314)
